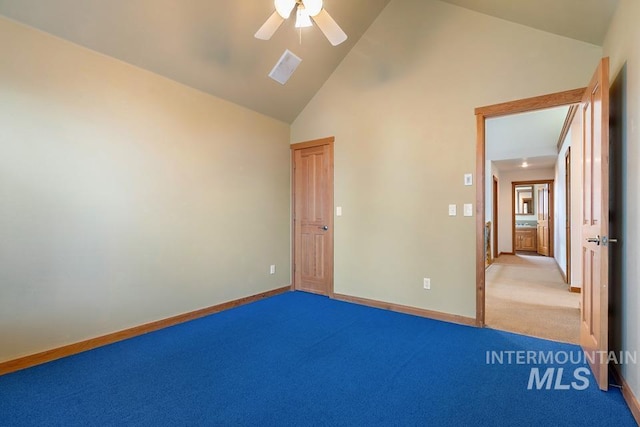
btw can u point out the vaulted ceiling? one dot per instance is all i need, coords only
(205, 44)
(209, 44)
(585, 20)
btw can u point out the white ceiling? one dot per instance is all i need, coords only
(542, 162)
(209, 44)
(531, 137)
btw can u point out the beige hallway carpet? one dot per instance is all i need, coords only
(526, 294)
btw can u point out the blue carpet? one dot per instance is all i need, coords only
(300, 359)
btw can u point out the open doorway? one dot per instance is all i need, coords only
(525, 287)
(591, 129)
(533, 217)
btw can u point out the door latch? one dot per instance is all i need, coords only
(605, 240)
(595, 240)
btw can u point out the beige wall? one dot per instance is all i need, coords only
(401, 108)
(560, 208)
(621, 45)
(125, 197)
(573, 141)
(576, 201)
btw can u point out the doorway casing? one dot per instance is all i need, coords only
(312, 216)
(550, 202)
(558, 99)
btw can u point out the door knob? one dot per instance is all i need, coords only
(325, 227)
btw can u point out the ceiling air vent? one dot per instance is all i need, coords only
(285, 67)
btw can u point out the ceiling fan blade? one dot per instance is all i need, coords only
(313, 7)
(269, 28)
(330, 28)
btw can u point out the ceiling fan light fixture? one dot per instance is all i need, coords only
(305, 11)
(313, 6)
(284, 7)
(303, 19)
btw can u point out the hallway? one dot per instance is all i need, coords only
(526, 295)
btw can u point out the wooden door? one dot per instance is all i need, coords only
(543, 220)
(595, 223)
(313, 216)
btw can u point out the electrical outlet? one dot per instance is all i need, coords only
(427, 283)
(453, 210)
(468, 209)
(272, 269)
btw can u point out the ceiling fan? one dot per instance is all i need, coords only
(306, 10)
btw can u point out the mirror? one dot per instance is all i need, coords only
(524, 200)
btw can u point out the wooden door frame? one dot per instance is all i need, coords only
(567, 222)
(558, 99)
(551, 211)
(495, 190)
(300, 146)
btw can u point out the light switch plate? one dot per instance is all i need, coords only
(468, 209)
(453, 210)
(468, 179)
(339, 211)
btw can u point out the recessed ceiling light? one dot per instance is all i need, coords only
(525, 164)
